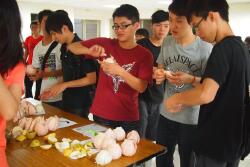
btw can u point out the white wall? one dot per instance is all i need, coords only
(239, 16)
(27, 8)
(239, 19)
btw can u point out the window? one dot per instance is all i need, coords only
(87, 29)
(78, 27)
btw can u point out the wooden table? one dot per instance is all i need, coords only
(19, 154)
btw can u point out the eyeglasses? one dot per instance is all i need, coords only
(122, 27)
(196, 26)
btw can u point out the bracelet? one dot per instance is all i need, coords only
(193, 80)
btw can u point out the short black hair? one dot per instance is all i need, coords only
(128, 11)
(56, 21)
(142, 31)
(159, 16)
(202, 8)
(62, 12)
(178, 7)
(33, 23)
(43, 13)
(247, 42)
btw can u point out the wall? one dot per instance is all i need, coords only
(239, 19)
(27, 8)
(104, 16)
(239, 16)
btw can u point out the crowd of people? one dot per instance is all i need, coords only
(185, 83)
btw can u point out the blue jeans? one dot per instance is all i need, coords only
(171, 133)
(126, 125)
(203, 161)
(149, 117)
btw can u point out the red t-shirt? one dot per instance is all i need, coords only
(30, 44)
(114, 99)
(14, 76)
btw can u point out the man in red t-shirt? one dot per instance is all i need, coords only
(29, 45)
(116, 99)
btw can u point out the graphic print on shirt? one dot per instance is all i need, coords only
(50, 64)
(117, 79)
(183, 64)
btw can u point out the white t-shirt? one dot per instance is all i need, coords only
(53, 63)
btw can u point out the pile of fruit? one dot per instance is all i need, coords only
(37, 126)
(109, 147)
(75, 149)
(29, 107)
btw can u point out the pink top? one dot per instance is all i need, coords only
(14, 76)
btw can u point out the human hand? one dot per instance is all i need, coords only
(111, 68)
(53, 91)
(184, 77)
(172, 105)
(159, 75)
(179, 78)
(38, 75)
(96, 51)
(30, 70)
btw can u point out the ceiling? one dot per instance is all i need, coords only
(111, 4)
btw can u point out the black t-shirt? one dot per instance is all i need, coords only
(220, 127)
(76, 67)
(154, 93)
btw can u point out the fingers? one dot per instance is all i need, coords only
(176, 82)
(45, 95)
(102, 64)
(111, 68)
(173, 108)
(173, 77)
(52, 92)
(97, 51)
(159, 76)
(159, 73)
(181, 77)
(33, 78)
(168, 74)
(105, 66)
(179, 73)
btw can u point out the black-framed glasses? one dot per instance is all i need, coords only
(196, 26)
(122, 27)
